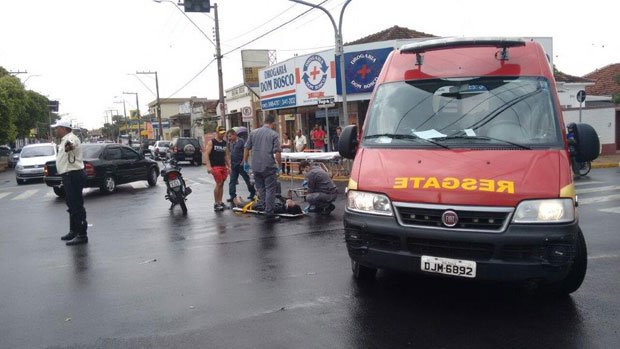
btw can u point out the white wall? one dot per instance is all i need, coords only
(602, 119)
(567, 94)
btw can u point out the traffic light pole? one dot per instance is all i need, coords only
(220, 75)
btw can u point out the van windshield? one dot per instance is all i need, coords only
(464, 113)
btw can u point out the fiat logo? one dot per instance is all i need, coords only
(449, 219)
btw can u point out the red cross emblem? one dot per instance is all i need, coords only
(363, 71)
(315, 72)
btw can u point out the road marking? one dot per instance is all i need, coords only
(598, 199)
(26, 194)
(2, 195)
(586, 183)
(597, 189)
(138, 185)
(50, 194)
(604, 256)
(611, 209)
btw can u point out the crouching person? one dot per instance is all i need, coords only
(322, 191)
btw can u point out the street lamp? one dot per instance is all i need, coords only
(339, 51)
(28, 78)
(158, 110)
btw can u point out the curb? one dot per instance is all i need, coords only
(605, 164)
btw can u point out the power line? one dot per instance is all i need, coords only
(194, 23)
(274, 29)
(143, 84)
(192, 79)
(262, 25)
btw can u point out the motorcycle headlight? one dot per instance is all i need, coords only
(372, 203)
(545, 211)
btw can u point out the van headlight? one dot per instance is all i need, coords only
(364, 202)
(545, 211)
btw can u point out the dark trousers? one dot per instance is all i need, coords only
(321, 200)
(267, 184)
(236, 171)
(74, 182)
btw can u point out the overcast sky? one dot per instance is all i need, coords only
(84, 49)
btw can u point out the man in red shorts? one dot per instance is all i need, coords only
(218, 164)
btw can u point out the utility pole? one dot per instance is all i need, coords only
(339, 51)
(138, 112)
(220, 75)
(160, 131)
(124, 113)
(12, 72)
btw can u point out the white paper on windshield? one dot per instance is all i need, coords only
(470, 133)
(429, 134)
(384, 140)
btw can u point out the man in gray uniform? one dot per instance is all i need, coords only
(322, 191)
(264, 144)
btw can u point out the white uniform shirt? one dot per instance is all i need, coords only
(71, 161)
(300, 142)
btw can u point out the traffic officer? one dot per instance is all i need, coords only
(265, 144)
(70, 166)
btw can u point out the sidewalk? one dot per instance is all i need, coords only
(605, 161)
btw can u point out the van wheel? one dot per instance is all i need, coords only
(152, 178)
(574, 279)
(361, 272)
(59, 191)
(109, 185)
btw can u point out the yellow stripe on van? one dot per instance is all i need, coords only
(352, 184)
(568, 191)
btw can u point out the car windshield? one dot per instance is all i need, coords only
(91, 151)
(503, 111)
(163, 144)
(33, 152)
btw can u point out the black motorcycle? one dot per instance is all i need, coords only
(176, 189)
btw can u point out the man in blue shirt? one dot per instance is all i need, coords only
(237, 145)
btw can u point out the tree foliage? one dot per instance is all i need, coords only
(20, 110)
(616, 96)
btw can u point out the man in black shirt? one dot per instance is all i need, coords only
(218, 165)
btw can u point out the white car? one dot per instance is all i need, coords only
(159, 149)
(32, 161)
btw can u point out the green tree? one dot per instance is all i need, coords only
(616, 96)
(11, 106)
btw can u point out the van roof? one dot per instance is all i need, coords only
(467, 57)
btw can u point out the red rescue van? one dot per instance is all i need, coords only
(462, 167)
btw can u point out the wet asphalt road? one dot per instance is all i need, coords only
(153, 278)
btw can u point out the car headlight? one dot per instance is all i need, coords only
(372, 203)
(20, 168)
(545, 211)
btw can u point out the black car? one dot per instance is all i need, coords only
(185, 149)
(107, 165)
(14, 157)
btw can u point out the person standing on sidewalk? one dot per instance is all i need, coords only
(218, 165)
(70, 167)
(286, 147)
(300, 142)
(318, 137)
(237, 146)
(265, 145)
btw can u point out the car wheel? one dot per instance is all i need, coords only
(152, 178)
(20, 181)
(109, 184)
(361, 272)
(59, 191)
(577, 273)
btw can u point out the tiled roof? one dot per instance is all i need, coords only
(563, 77)
(605, 81)
(392, 33)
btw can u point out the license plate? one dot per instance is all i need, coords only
(189, 158)
(448, 266)
(175, 183)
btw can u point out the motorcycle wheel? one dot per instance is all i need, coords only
(183, 206)
(584, 168)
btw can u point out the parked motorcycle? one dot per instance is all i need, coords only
(176, 189)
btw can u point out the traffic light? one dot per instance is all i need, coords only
(197, 5)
